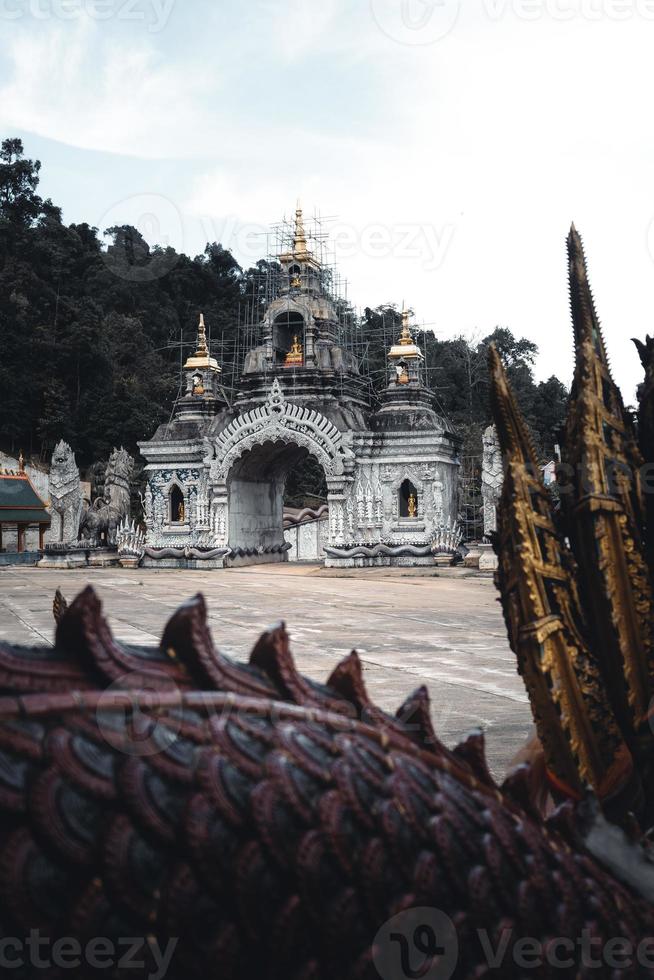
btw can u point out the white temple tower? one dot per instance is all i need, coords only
(216, 473)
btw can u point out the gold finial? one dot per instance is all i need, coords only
(202, 338)
(406, 338)
(201, 358)
(406, 347)
(300, 238)
(21, 462)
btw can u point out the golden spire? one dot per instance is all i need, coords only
(202, 350)
(300, 251)
(604, 505)
(202, 358)
(406, 337)
(537, 579)
(406, 347)
(300, 238)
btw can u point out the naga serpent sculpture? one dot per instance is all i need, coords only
(246, 822)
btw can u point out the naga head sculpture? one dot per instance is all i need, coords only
(575, 583)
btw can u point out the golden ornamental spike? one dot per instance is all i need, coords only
(602, 498)
(202, 338)
(406, 337)
(581, 739)
(300, 237)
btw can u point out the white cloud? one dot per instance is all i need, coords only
(69, 84)
(487, 143)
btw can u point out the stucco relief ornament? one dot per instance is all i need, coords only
(148, 506)
(379, 503)
(276, 399)
(437, 493)
(283, 421)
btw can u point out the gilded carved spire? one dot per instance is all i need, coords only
(406, 336)
(202, 350)
(300, 250)
(300, 237)
(202, 357)
(582, 741)
(406, 347)
(603, 502)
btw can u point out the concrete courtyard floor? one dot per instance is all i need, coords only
(445, 631)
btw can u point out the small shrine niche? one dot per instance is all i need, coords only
(295, 276)
(288, 335)
(177, 513)
(408, 500)
(401, 372)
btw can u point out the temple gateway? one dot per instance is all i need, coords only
(217, 471)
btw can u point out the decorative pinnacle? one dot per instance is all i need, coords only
(513, 434)
(202, 338)
(406, 337)
(582, 305)
(300, 238)
(21, 462)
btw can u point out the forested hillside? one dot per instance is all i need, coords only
(90, 335)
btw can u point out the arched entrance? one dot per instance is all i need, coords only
(249, 464)
(255, 489)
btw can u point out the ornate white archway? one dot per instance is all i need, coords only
(278, 421)
(281, 421)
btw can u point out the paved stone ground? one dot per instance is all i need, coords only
(446, 632)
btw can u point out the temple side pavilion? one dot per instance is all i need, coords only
(20, 508)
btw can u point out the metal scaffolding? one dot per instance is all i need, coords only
(471, 516)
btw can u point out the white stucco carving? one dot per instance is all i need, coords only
(492, 478)
(280, 421)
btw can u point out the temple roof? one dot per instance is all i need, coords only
(19, 501)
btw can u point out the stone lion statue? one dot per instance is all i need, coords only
(66, 500)
(100, 521)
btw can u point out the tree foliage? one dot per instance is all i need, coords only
(457, 369)
(92, 335)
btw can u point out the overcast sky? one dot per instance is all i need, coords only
(453, 145)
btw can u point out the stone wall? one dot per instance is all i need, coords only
(307, 540)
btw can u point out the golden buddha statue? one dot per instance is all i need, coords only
(412, 505)
(198, 385)
(296, 282)
(181, 513)
(295, 355)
